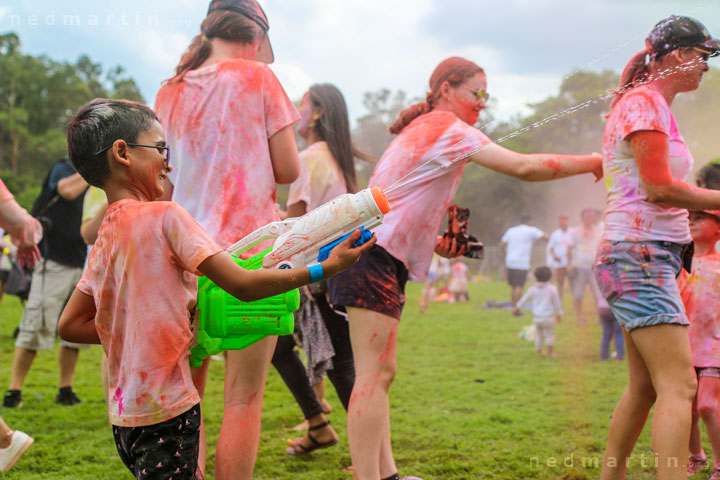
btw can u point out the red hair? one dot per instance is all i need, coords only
(455, 71)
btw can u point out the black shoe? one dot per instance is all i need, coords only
(66, 396)
(12, 399)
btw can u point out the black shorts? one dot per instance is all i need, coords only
(162, 451)
(516, 278)
(376, 282)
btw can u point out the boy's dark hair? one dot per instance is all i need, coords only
(525, 219)
(543, 274)
(709, 176)
(96, 125)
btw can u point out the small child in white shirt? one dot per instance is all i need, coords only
(546, 308)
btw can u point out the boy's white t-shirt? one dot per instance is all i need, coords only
(218, 121)
(142, 277)
(519, 240)
(545, 300)
(629, 215)
(410, 228)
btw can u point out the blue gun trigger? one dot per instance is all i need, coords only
(324, 252)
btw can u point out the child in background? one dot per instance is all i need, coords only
(136, 295)
(546, 308)
(701, 297)
(611, 330)
(458, 282)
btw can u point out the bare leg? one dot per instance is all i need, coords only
(664, 352)
(387, 463)
(709, 410)
(579, 315)
(199, 377)
(560, 275)
(515, 294)
(67, 358)
(319, 388)
(374, 342)
(630, 414)
(245, 374)
(22, 361)
(696, 449)
(5, 437)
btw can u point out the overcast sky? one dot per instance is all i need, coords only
(525, 46)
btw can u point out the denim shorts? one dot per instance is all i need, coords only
(638, 280)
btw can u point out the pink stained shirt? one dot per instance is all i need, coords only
(629, 215)
(217, 122)
(142, 277)
(320, 178)
(700, 292)
(24, 230)
(410, 229)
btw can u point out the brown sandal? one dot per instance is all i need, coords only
(297, 449)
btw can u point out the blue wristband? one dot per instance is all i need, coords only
(316, 273)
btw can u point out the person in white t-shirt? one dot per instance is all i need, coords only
(557, 253)
(517, 242)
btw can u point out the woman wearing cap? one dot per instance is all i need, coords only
(373, 291)
(229, 124)
(645, 242)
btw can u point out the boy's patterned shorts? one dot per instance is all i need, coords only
(167, 450)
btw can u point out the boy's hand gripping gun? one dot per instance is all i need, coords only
(226, 323)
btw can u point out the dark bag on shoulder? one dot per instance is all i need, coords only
(18, 282)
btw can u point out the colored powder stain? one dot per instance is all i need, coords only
(143, 376)
(374, 336)
(117, 396)
(252, 397)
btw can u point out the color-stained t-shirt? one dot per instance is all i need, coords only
(519, 240)
(629, 215)
(584, 242)
(458, 279)
(410, 229)
(24, 230)
(700, 292)
(320, 178)
(217, 122)
(142, 277)
(95, 199)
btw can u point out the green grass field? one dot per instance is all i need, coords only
(471, 400)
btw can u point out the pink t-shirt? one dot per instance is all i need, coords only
(629, 215)
(320, 178)
(142, 276)
(217, 122)
(410, 229)
(458, 279)
(701, 297)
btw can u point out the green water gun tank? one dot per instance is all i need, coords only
(226, 323)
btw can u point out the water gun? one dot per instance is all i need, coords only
(226, 323)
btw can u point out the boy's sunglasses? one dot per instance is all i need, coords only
(159, 148)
